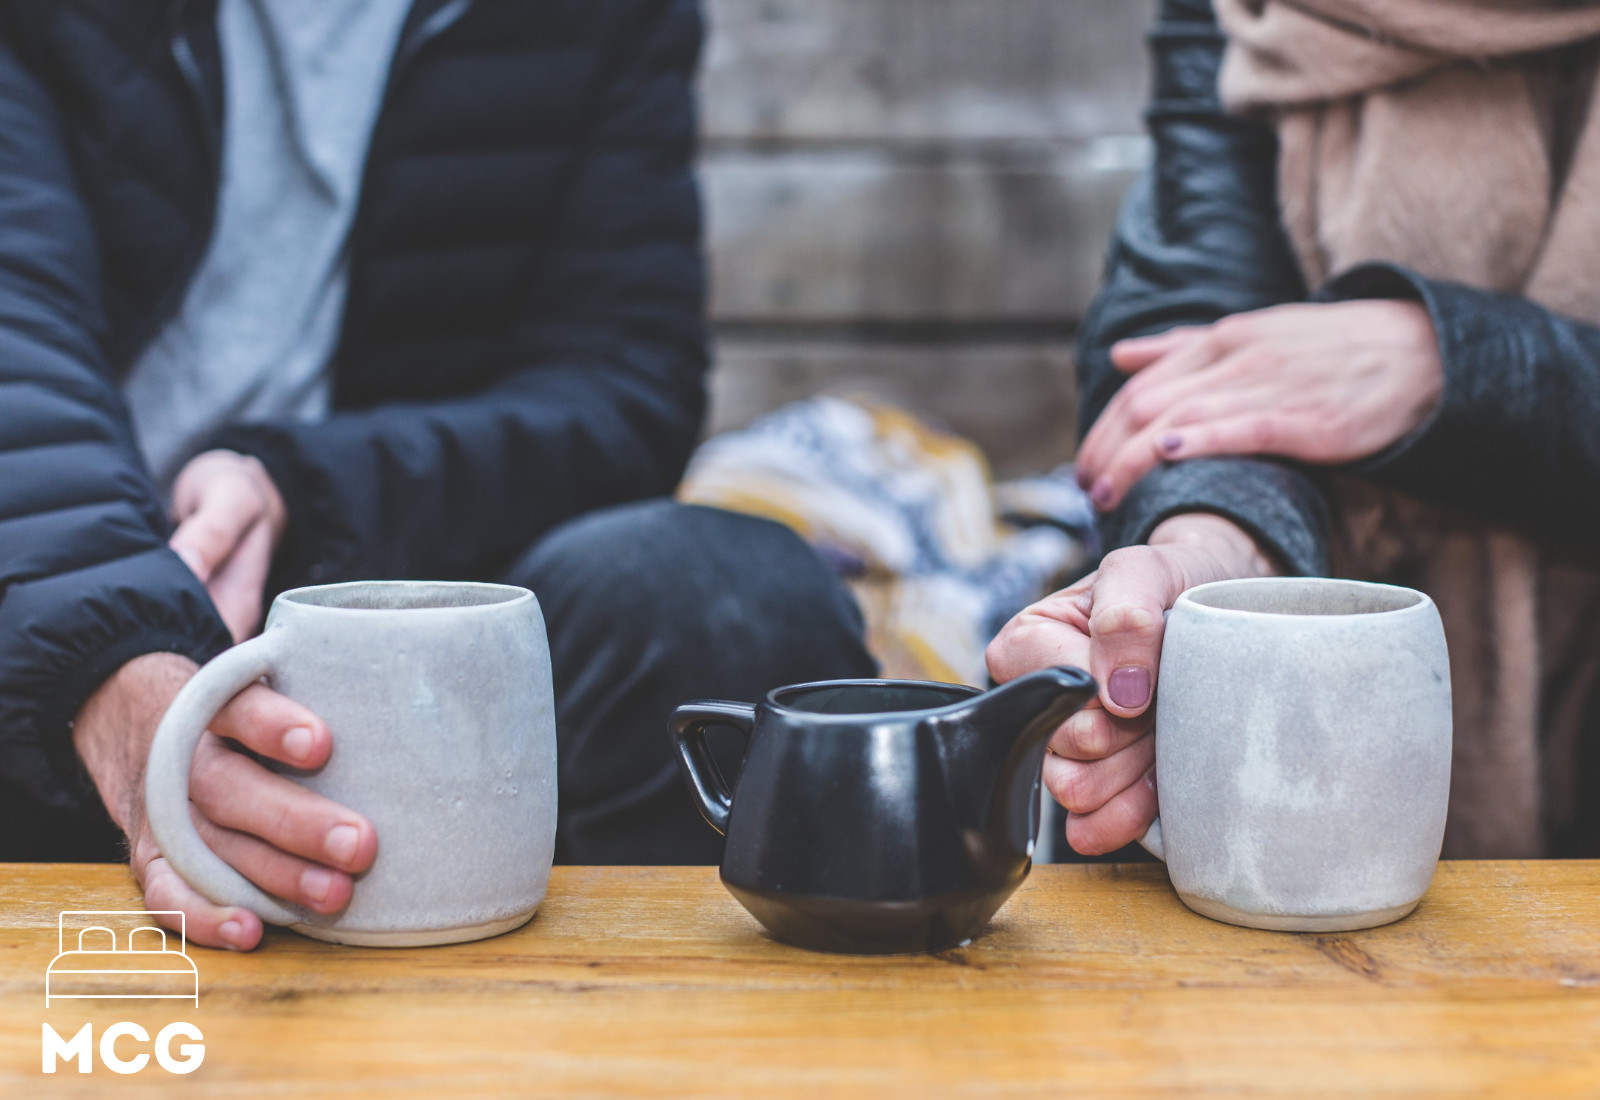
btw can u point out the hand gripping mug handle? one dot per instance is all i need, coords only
(699, 768)
(166, 781)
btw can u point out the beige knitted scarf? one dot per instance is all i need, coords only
(1455, 137)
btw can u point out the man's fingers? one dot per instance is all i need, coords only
(207, 536)
(320, 888)
(237, 586)
(204, 922)
(234, 791)
(274, 725)
(1136, 586)
(1121, 821)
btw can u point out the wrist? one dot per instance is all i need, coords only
(112, 731)
(1232, 551)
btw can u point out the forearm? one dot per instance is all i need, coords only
(1513, 438)
(1198, 239)
(113, 730)
(86, 580)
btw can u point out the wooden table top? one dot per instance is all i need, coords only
(654, 982)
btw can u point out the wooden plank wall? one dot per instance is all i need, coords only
(912, 198)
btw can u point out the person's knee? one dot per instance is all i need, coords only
(680, 559)
(703, 582)
(648, 605)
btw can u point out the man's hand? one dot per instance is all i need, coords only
(1324, 383)
(1101, 763)
(291, 842)
(230, 517)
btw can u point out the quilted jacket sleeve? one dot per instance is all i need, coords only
(1198, 239)
(86, 580)
(605, 397)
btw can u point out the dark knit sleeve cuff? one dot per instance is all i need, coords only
(1279, 505)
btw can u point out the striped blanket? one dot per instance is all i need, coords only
(938, 555)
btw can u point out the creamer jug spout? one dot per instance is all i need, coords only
(993, 746)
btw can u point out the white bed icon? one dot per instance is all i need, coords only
(95, 963)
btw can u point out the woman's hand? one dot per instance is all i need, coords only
(230, 517)
(1324, 383)
(1101, 764)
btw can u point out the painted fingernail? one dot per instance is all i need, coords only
(315, 884)
(297, 743)
(1129, 687)
(1101, 494)
(1150, 780)
(1171, 443)
(232, 933)
(342, 841)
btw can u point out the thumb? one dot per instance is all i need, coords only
(209, 535)
(1126, 623)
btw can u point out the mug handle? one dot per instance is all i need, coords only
(688, 728)
(166, 781)
(1151, 841)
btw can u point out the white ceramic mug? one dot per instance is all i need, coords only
(1303, 735)
(440, 702)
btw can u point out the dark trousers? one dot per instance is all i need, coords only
(646, 605)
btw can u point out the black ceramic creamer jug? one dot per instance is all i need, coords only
(879, 816)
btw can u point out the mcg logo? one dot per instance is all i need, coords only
(93, 963)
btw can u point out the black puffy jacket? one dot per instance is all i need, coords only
(1515, 439)
(522, 340)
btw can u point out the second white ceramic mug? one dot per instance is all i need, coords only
(440, 702)
(1303, 738)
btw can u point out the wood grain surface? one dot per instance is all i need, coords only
(1092, 981)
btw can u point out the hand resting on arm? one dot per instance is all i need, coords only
(1325, 383)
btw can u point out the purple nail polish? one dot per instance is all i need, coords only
(1171, 443)
(1129, 688)
(1101, 494)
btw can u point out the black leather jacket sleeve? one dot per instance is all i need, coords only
(1198, 239)
(1516, 436)
(86, 579)
(603, 395)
